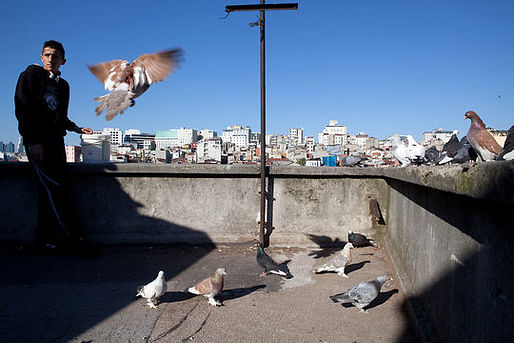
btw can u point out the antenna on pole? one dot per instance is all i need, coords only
(262, 7)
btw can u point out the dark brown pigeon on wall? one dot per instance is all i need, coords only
(126, 81)
(480, 139)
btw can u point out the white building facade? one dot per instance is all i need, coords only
(209, 149)
(174, 137)
(238, 135)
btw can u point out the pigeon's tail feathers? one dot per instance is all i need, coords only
(193, 290)
(140, 291)
(321, 269)
(278, 272)
(445, 160)
(103, 104)
(341, 298)
(115, 102)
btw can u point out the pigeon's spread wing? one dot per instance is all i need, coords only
(158, 65)
(486, 141)
(102, 70)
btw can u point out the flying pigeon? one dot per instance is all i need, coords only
(415, 151)
(126, 81)
(480, 139)
(154, 290)
(507, 152)
(362, 294)
(400, 151)
(210, 287)
(339, 262)
(359, 240)
(269, 265)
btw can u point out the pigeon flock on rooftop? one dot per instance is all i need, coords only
(360, 296)
(478, 145)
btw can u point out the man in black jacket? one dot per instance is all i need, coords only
(41, 102)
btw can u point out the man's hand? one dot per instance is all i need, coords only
(36, 152)
(86, 130)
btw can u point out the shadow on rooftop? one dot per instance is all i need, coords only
(56, 298)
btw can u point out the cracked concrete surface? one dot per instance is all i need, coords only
(74, 299)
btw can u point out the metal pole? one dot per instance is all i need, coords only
(263, 130)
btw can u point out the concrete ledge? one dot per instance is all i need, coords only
(488, 181)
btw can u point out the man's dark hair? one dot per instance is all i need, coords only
(54, 45)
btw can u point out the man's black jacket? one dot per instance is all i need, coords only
(41, 106)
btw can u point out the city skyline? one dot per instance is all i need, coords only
(382, 68)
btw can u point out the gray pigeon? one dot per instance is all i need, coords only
(338, 263)
(350, 161)
(465, 153)
(210, 287)
(154, 290)
(362, 294)
(269, 265)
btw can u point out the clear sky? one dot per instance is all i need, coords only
(382, 67)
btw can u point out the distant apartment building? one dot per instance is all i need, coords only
(333, 134)
(175, 137)
(238, 135)
(255, 138)
(2, 146)
(116, 135)
(309, 143)
(9, 147)
(73, 153)
(365, 142)
(296, 136)
(209, 150)
(207, 134)
(436, 137)
(138, 140)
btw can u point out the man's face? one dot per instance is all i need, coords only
(52, 59)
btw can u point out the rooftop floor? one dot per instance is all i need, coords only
(77, 299)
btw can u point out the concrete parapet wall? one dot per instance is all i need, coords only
(145, 203)
(450, 234)
(449, 229)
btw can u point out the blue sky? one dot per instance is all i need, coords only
(381, 67)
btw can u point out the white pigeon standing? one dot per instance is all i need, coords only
(362, 294)
(126, 81)
(210, 287)
(400, 151)
(153, 290)
(339, 262)
(415, 151)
